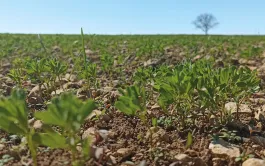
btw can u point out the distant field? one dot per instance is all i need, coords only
(135, 100)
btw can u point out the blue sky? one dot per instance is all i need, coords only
(129, 16)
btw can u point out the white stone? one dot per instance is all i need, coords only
(253, 162)
(222, 148)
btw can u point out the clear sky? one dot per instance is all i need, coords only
(129, 16)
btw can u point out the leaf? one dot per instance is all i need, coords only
(51, 139)
(123, 108)
(189, 140)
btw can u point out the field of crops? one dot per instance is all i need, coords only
(132, 100)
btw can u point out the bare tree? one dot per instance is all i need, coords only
(205, 22)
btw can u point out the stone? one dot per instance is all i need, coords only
(104, 134)
(183, 157)
(153, 62)
(243, 108)
(260, 115)
(253, 162)
(222, 148)
(107, 89)
(97, 152)
(93, 114)
(113, 160)
(124, 153)
(69, 85)
(71, 77)
(37, 124)
(158, 135)
(2, 146)
(31, 121)
(56, 49)
(90, 132)
(89, 52)
(156, 106)
(57, 92)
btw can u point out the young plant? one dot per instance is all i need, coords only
(244, 156)
(17, 75)
(90, 75)
(176, 91)
(57, 69)
(68, 113)
(37, 71)
(14, 119)
(132, 102)
(107, 62)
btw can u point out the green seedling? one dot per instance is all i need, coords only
(177, 91)
(68, 113)
(243, 157)
(57, 69)
(17, 75)
(38, 72)
(90, 75)
(132, 102)
(5, 159)
(107, 62)
(230, 136)
(189, 140)
(14, 119)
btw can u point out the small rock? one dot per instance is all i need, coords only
(124, 151)
(251, 62)
(56, 49)
(243, 108)
(57, 92)
(183, 157)
(71, 77)
(158, 135)
(107, 89)
(37, 124)
(115, 83)
(128, 163)
(69, 85)
(153, 62)
(93, 114)
(90, 132)
(97, 152)
(142, 163)
(255, 146)
(31, 121)
(82, 97)
(222, 148)
(89, 52)
(243, 61)
(113, 160)
(156, 106)
(104, 134)
(253, 162)
(2, 146)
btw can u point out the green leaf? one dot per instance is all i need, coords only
(51, 139)
(189, 140)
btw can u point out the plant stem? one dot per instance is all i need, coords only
(32, 149)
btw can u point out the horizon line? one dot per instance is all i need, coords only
(135, 34)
